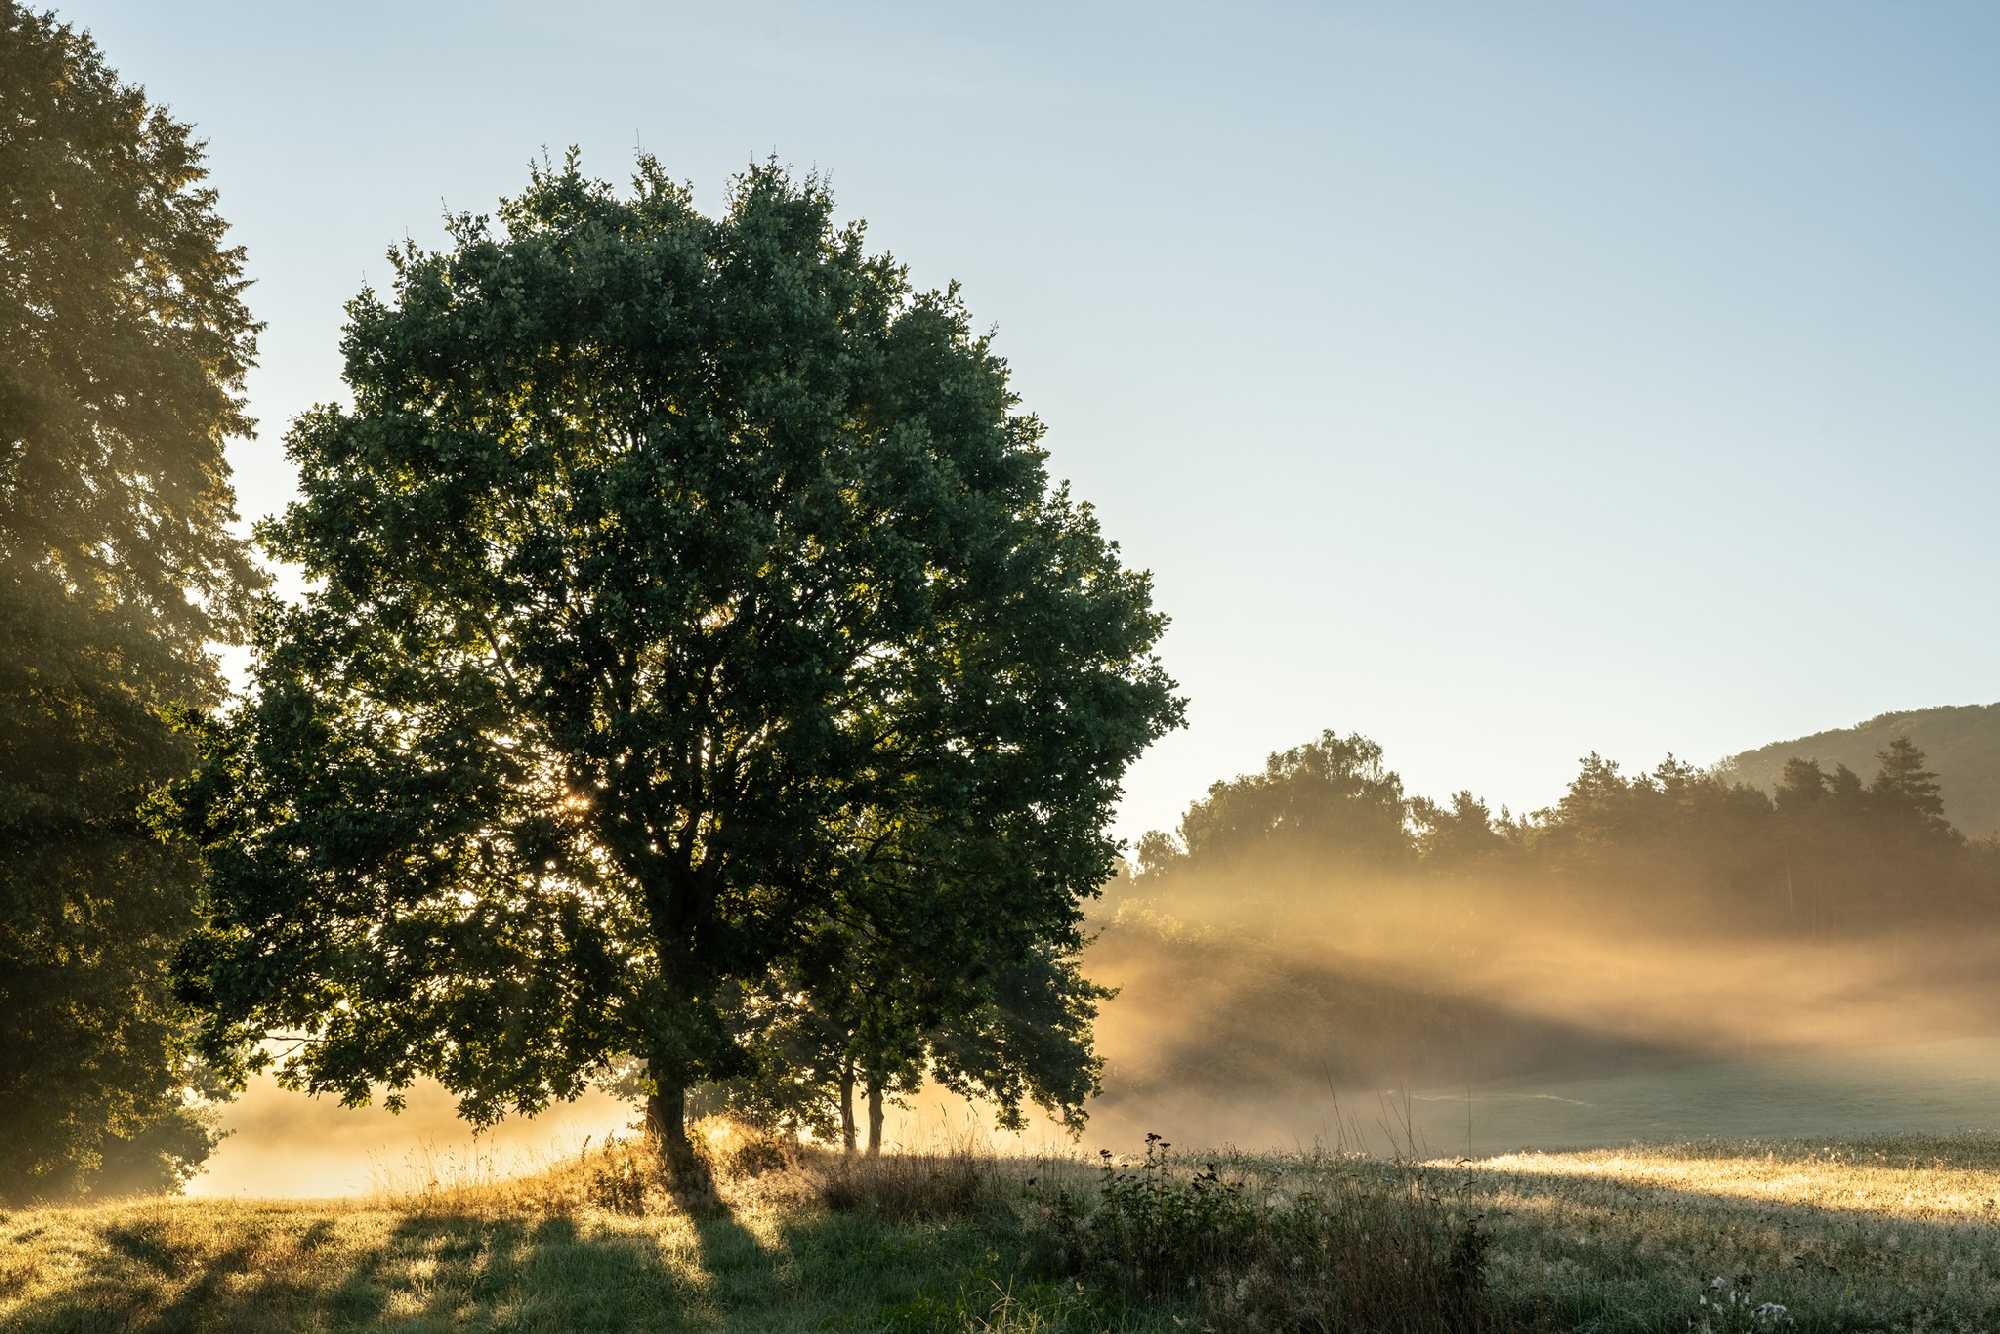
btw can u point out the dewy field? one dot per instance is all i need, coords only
(1876, 1234)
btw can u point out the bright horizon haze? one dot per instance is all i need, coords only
(1502, 385)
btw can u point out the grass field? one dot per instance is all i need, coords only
(1882, 1234)
(1933, 1088)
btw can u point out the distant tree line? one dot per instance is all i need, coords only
(1828, 853)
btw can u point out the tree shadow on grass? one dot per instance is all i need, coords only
(429, 1272)
(184, 1310)
(139, 1280)
(380, 1276)
(450, 1271)
(146, 1244)
(587, 1272)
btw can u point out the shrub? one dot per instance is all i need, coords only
(741, 1149)
(1390, 1264)
(755, 1157)
(621, 1178)
(911, 1187)
(1392, 1258)
(1151, 1227)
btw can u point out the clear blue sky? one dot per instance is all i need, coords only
(1503, 381)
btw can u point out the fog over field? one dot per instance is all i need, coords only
(1367, 1024)
(1559, 1041)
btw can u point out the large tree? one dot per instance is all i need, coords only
(123, 345)
(676, 582)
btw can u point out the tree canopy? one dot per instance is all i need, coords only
(123, 345)
(1326, 806)
(678, 585)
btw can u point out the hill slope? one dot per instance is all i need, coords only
(1963, 744)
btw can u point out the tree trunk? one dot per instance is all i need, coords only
(874, 1117)
(847, 1104)
(666, 1120)
(684, 1172)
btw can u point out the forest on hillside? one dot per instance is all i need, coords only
(1961, 742)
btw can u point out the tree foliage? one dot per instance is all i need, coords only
(683, 589)
(909, 984)
(123, 344)
(994, 1015)
(1315, 813)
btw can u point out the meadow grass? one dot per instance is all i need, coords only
(1885, 1234)
(1880, 1234)
(799, 1242)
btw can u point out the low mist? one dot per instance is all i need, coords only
(1358, 1027)
(1316, 1024)
(1314, 957)
(1312, 945)
(282, 1143)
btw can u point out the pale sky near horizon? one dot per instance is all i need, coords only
(1503, 382)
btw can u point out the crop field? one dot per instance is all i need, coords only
(1874, 1234)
